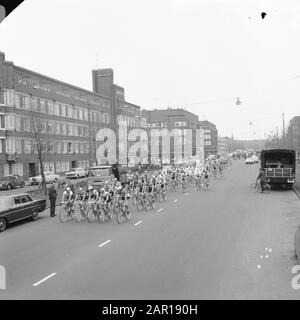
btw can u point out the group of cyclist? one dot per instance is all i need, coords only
(144, 188)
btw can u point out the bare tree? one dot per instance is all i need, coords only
(41, 142)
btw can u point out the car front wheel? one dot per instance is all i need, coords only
(3, 224)
(35, 215)
(8, 187)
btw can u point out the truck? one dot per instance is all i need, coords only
(279, 166)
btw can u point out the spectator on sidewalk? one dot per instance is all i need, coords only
(52, 198)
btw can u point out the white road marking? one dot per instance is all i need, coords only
(175, 200)
(258, 266)
(186, 194)
(261, 257)
(136, 224)
(104, 243)
(270, 250)
(43, 280)
(266, 249)
(266, 256)
(159, 210)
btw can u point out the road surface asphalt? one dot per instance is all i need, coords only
(224, 243)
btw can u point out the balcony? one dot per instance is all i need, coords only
(11, 157)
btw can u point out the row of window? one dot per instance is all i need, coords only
(26, 102)
(65, 93)
(157, 125)
(58, 167)
(181, 124)
(28, 146)
(131, 122)
(22, 123)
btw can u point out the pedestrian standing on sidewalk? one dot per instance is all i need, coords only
(52, 198)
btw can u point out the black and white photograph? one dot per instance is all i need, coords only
(150, 151)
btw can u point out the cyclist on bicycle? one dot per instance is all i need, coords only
(67, 198)
(261, 179)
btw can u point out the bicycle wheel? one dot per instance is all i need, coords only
(63, 214)
(120, 216)
(127, 214)
(153, 203)
(101, 215)
(254, 186)
(91, 215)
(76, 214)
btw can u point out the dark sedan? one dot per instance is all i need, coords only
(18, 207)
(11, 182)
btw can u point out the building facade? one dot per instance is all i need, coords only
(68, 118)
(210, 137)
(293, 134)
(173, 118)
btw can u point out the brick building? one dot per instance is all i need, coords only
(293, 134)
(172, 118)
(69, 117)
(121, 110)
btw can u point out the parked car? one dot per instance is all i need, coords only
(49, 176)
(11, 182)
(249, 161)
(18, 207)
(255, 159)
(76, 173)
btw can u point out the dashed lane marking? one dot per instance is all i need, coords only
(136, 224)
(175, 200)
(104, 243)
(161, 209)
(44, 279)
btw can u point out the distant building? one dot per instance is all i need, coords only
(210, 137)
(293, 134)
(172, 118)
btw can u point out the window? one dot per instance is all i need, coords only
(9, 97)
(46, 166)
(64, 147)
(50, 107)
(180, 124)
(207, 136)
(207, 143)
(17, 101)
(27, 146)
(75, 131)
(10, 145)
(81, 147)
(80, 114)
(50, 127)
(70, 147)
(76, 147)
(43, 106)
(57, 166)
(56, 109)
(10, 121)
(62, 166)
(87, 148)
(51, 167)
(17, 168)
(19, 146)
(58, 148)
(67, 166)
(207, 131)
(57, 128)
(86, 115)
(6, 170)
(70, 130)
(70, 112)
(63, 110)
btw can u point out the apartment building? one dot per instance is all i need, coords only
(69, 118)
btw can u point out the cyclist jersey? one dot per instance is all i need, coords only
(67, 196)
(81, 195)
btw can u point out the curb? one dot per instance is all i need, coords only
(297, 235)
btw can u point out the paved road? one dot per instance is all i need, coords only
(224, 243)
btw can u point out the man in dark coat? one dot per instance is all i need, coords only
(115, 170)
(52, 198)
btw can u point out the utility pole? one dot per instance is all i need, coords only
(277, 142)
(283, 130)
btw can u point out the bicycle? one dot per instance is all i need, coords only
(68, 210)
(123, 212)
(257, 187)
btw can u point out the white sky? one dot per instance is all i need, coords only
(171, 52)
